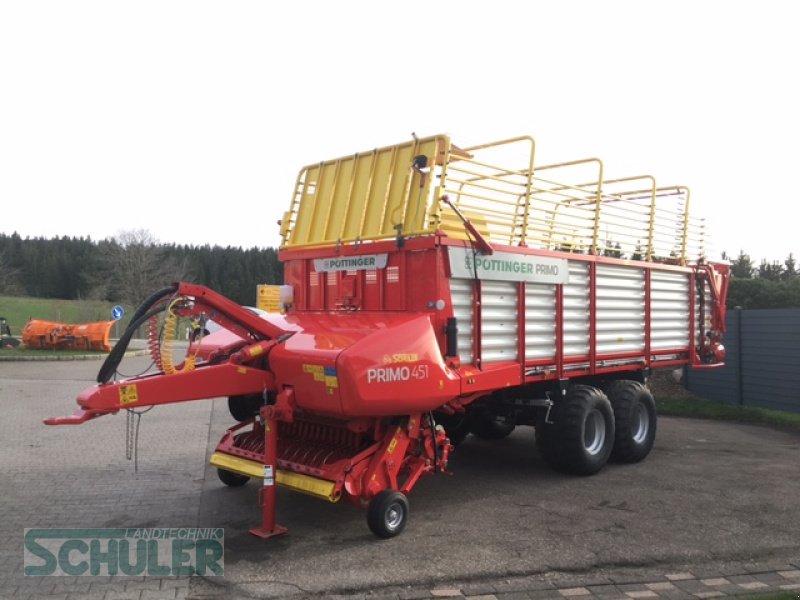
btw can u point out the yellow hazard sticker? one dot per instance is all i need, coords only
(392, 446)
(256, 350)
(318, 371)
(331, 381)
(128, 394)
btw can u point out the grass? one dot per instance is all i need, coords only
(710, 409)
(18, 310)
(20, 352)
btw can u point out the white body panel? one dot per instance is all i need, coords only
(540, 321)
(620, 308)
(669, 310)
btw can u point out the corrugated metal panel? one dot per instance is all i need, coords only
(540, 321)
(770, 358)
(461, 291)
(499, 319)
(620, 309)
(720, 384)
(576, 310)
(770, 355)
(669, 310)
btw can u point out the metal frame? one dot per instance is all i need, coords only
(510, 205)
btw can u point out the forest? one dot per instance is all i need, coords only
(772, 284)
(129, 266)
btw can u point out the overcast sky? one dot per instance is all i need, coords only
(192, 119)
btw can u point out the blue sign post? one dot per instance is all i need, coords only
(116, 314)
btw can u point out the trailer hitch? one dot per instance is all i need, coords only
(76, 418)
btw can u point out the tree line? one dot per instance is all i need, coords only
(128, 267)
(768, 284)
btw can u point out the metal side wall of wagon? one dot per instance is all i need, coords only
(606, 315)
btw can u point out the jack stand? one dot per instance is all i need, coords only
(266, 495)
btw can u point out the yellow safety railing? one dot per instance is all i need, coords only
(570, 206)
(493, 198)
(368, 196)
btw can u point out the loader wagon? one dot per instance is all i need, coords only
(437, 292)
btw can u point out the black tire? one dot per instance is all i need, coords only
(635, 420)
(489, 427)
(580, 436)
(387, 514)
(456, 426)
(232, 479)
(244, 408)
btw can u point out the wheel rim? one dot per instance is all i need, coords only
(594, 435)
(394, 516)
(641, 423)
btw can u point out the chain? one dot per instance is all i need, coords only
(133, 420)
(129, 435)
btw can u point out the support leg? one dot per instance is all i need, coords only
(266, 495)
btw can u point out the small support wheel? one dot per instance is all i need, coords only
(388, 514)
(232, 479)
(244, 408)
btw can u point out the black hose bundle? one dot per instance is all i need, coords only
(139, 317)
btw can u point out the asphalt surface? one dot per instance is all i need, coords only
(713, 511)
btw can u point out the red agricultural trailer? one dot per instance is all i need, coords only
(439, 292)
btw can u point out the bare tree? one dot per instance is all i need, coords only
(136, 266)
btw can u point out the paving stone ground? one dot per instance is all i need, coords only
(678, 586)
(79, 477)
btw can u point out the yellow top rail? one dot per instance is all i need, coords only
(397, 191)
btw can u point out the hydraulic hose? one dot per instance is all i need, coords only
(118, 352)
(165, 355)
(151, 300)
(139, 317)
